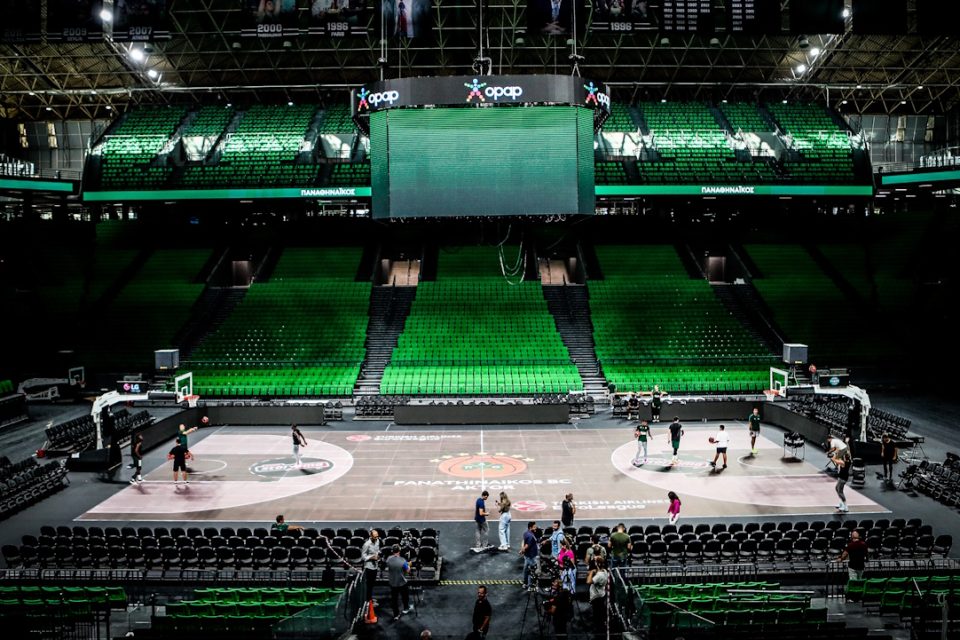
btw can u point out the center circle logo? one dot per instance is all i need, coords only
(527, 506)
(477, 466)
(281, 467)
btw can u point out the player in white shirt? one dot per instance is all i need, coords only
(721, 439)
(837, 450)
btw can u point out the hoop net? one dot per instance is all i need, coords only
(771, 394)
(191, 400)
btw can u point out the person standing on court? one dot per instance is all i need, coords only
(888, 455)
(656, 402)
(179, 455)
(370, 556)
(298, 441)
(530, 551)
(397, 570)
(673, 511)
(480, 518)
(676, 432)
(856, 555)
(721, 439)
(482, 612)
(843, 474)
(641, 433)
(504, 529)
(754, 423)
(136, 452)
(568, 510)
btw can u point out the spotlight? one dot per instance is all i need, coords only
(803, 43)
(290, 103)
(569, 42)
(137, 55)
(106, 16)
(715, 43)
(519, 41)
(664, 41)
(49, 108)
(919, 87)
(845, 13)
(815, 52)
(801, 68)
(287, 44)
(235, 46)
(843, 102)
(152, 73)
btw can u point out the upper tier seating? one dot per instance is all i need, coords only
(336, 119)
(129, 149)
(261, 152)
(301, 333)
(691, 144)
(472, 332)
(825, 147)
(620, 119)
(745, 117)
(655, 325)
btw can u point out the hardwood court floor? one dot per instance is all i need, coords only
(248, 474)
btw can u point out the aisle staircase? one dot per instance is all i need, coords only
(389, 308)
(570, 307)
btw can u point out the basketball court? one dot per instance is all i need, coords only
(249, 474)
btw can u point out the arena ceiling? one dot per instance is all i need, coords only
(206, 60)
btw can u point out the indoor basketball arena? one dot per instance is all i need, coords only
(518, 319)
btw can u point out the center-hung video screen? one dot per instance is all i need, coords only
(499, 161)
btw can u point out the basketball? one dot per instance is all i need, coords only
(712, 440)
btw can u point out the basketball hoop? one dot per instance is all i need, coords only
(191, 400)
(771, 394)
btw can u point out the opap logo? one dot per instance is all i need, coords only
(371, 100)
(503, 92)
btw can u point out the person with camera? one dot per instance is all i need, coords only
(597, 578)
(397, 570)
(594, 551)
(559, 606)
(568, 566)
(530, 552)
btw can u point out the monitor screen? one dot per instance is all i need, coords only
(494, 161)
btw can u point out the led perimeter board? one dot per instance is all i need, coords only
(494, 161)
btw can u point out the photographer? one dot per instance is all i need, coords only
(559, 606)
(594, 551)
(597, 578)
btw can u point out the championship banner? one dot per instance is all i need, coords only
(21, 21)
(141, 20)
(74, 20)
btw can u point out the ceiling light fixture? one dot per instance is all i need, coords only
(106, 15)
(137, 55)
(815, 52)
(801, 68)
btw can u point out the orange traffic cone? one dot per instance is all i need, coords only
(371, 617)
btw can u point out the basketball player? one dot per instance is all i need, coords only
(183, 441)
(298, 441)
(655, 402)
(136, 452)
(722, 439)
(642, 432)
(754, 420)
(676, 432)
(179, 455)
